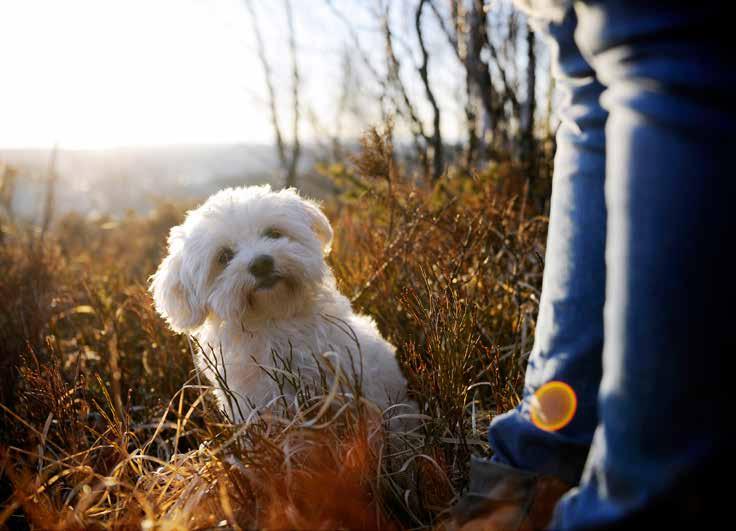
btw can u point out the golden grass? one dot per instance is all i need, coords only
(104, 424)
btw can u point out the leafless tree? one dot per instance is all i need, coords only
(436, 138)
(347, 106)
(429, 146)
(288, 155)
(528, 140)
(458, 43)
(393, 67)
(499, 81)
(467, 35)
(296, 147)
(358, 49)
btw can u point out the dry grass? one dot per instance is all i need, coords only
(104, 424)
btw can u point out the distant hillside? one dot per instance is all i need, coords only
(113, 181)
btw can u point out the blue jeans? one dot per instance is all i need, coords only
(636, 303)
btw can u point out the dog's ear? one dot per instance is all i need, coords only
(320, 225)
(173, 293)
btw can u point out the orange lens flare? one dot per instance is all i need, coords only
(553, 406)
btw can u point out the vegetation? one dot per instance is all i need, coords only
(105, 424)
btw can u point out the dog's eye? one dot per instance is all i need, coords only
(274, 234)
(225, 256)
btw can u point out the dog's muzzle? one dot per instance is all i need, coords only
(262, 268)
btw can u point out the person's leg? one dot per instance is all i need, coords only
(569, 333)
(665, 402)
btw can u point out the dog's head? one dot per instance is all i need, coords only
(246, 253)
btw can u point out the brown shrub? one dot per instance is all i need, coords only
(103, 425)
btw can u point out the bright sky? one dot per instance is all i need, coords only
(106, 73)
(103, 73)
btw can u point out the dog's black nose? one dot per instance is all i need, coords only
(261, 266)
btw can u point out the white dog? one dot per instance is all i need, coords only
(246, 276)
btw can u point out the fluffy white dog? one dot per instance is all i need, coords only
(246, 276)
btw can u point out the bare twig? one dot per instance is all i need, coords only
(295, 85)
(436, 139)
(288, 161)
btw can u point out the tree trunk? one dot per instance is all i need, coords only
(529, 142)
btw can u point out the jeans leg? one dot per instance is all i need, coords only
(666, 401)
(569, 333)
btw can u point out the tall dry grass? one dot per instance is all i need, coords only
(104, 424)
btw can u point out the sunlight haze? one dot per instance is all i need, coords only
(104, 73)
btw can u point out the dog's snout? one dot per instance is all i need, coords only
(261, 266)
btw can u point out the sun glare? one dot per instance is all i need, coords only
(553, 406)
(102, 73)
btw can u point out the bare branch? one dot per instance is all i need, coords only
(358, 48)
(528, 140)
(452, 39)
(356, 41)
(436, 140)
(458, 44)
(295, 84)
(394, 79)
(268, 76)
(479, 70)
(394, 76)
(508, 92)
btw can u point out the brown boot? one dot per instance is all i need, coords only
(503, 498)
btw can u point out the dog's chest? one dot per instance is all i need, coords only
(302, 338)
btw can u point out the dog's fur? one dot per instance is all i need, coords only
(206, 286)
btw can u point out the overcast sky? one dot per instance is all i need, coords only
(102, 73)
